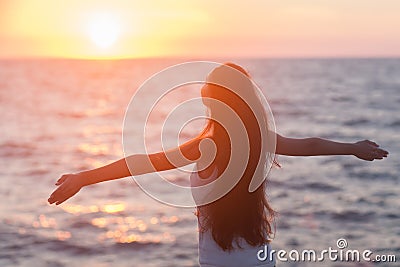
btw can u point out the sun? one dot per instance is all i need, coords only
(104, 30)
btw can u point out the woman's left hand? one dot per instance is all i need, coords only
(368, 150)
(68, 186)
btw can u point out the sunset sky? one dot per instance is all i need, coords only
(126, 29)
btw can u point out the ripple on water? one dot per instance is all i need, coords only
(136, 245)
(323, 187)
(314, 186)
(353, 216)
(369, 175)
(394, 123)
(70, 247)
(16, 149)
(355, 122)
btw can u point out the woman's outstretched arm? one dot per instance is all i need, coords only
(70, 184)
(366, 150)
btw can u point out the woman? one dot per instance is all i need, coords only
(231, 155)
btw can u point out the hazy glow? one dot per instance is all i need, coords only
(104, 30)
(269, 28)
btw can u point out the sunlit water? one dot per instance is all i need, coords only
(60, 116)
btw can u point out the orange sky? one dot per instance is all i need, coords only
(207, 28)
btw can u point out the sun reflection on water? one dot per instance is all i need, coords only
(94, 149)
(79, 209)
(113, 208)
(113, 226)
(63, 235)
(131, 229)
(44, 222)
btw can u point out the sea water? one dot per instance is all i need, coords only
(65, 116)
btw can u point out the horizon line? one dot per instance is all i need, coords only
(200, 58)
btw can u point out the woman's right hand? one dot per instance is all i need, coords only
(368, 150)
(68, 186)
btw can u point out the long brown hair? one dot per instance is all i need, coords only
(239, 213)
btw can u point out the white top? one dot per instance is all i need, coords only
(212, 255)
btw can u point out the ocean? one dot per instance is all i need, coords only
(63, 116)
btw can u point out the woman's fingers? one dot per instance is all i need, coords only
(58, 198)
(377, 152)
(61, 200)
(53, 197)
(61, 180)
(66, 190)
(58, 194)
(368, 150)
(380, 153)
(384, 152)
(66, 195)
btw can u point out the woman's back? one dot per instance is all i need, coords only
(210, 253)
